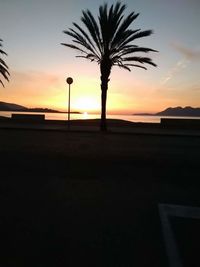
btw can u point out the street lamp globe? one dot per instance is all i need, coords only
(69, 80)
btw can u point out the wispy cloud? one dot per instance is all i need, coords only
(179, 66)
(186, 52)
(188, 55)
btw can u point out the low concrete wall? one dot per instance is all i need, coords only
(180, 123)
(28, 117)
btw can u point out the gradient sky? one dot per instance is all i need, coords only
(32, 33)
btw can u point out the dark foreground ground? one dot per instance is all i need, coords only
(91, 199)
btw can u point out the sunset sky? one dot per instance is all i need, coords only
(32, 32)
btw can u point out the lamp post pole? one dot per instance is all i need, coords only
(69, 80)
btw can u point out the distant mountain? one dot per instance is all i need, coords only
(179, 111)
(46, 110)
(11, 107)
(14, 107)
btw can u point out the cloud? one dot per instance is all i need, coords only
(179, 66)
(187, 53)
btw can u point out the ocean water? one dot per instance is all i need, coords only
(84, 116)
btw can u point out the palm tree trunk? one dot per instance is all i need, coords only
(103, 125)
(104, 88)
(105, 68)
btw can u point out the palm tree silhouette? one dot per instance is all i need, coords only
(109, 43)
(3, 67)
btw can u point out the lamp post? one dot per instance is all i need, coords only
(69, 80)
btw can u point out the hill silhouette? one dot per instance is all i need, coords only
(179, 111)
(11, 107)
(4, 106)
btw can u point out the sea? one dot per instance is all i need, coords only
(85, 116)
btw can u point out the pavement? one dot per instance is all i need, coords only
(104, 200)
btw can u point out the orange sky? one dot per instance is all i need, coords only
(128, 92)
(39, 65)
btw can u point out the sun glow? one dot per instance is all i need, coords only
(86, 104)
(85, 115)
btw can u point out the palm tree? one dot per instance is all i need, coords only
(109, 43)
(3, 67)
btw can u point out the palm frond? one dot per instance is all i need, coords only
(116, 51)
(2, 62)
(2, 52)
(80, 40)
(2, 83)
(136, 49)
(123, 67)
(86, 36)
(109, 40)
(85, 42)
(140, 59)
(137, 66)
(90, 56)
(117, 16)
(94, 31)
(142, 34)
(124, 36)
(3, 66)
(122, 28)
(103, 21)
(4, 72)
(114, 18)
(137, 35)
(74, 47)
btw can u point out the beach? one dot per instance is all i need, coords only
(83, 196)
